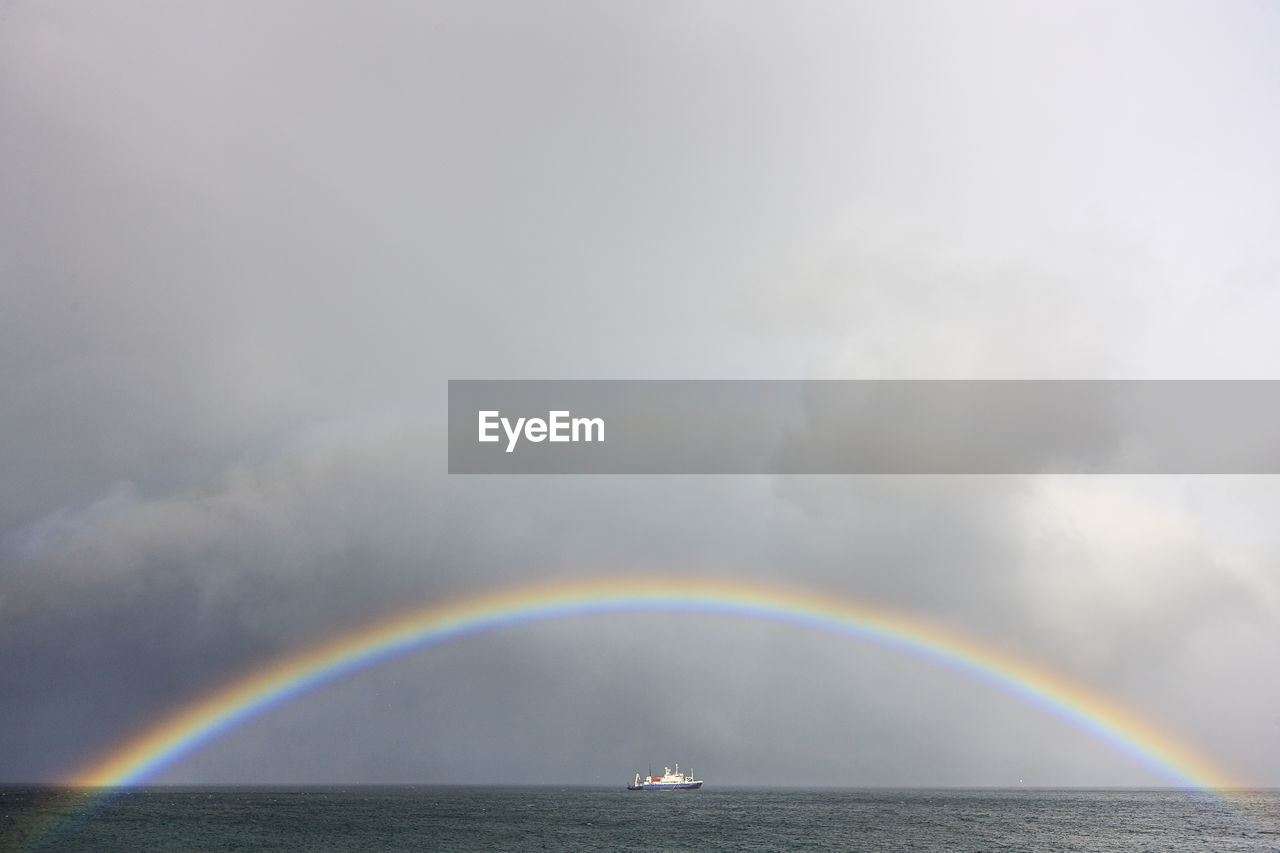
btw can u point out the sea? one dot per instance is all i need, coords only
(374, 818)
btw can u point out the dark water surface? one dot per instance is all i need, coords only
(549, 818)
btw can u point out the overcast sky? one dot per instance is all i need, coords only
(243, 246)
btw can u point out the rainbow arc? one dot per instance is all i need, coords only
(204, 720)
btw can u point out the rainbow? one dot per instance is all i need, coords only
(202, 721)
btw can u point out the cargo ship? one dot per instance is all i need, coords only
(668, 781)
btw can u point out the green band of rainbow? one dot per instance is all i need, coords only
(209, 717)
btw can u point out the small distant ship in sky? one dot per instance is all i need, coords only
(668, 781)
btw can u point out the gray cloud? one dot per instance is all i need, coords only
(244, 248)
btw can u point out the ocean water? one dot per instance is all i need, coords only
(550, 818)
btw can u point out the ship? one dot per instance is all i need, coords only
(668, 781)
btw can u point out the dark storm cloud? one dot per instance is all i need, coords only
(244, 248)
(272, 560)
